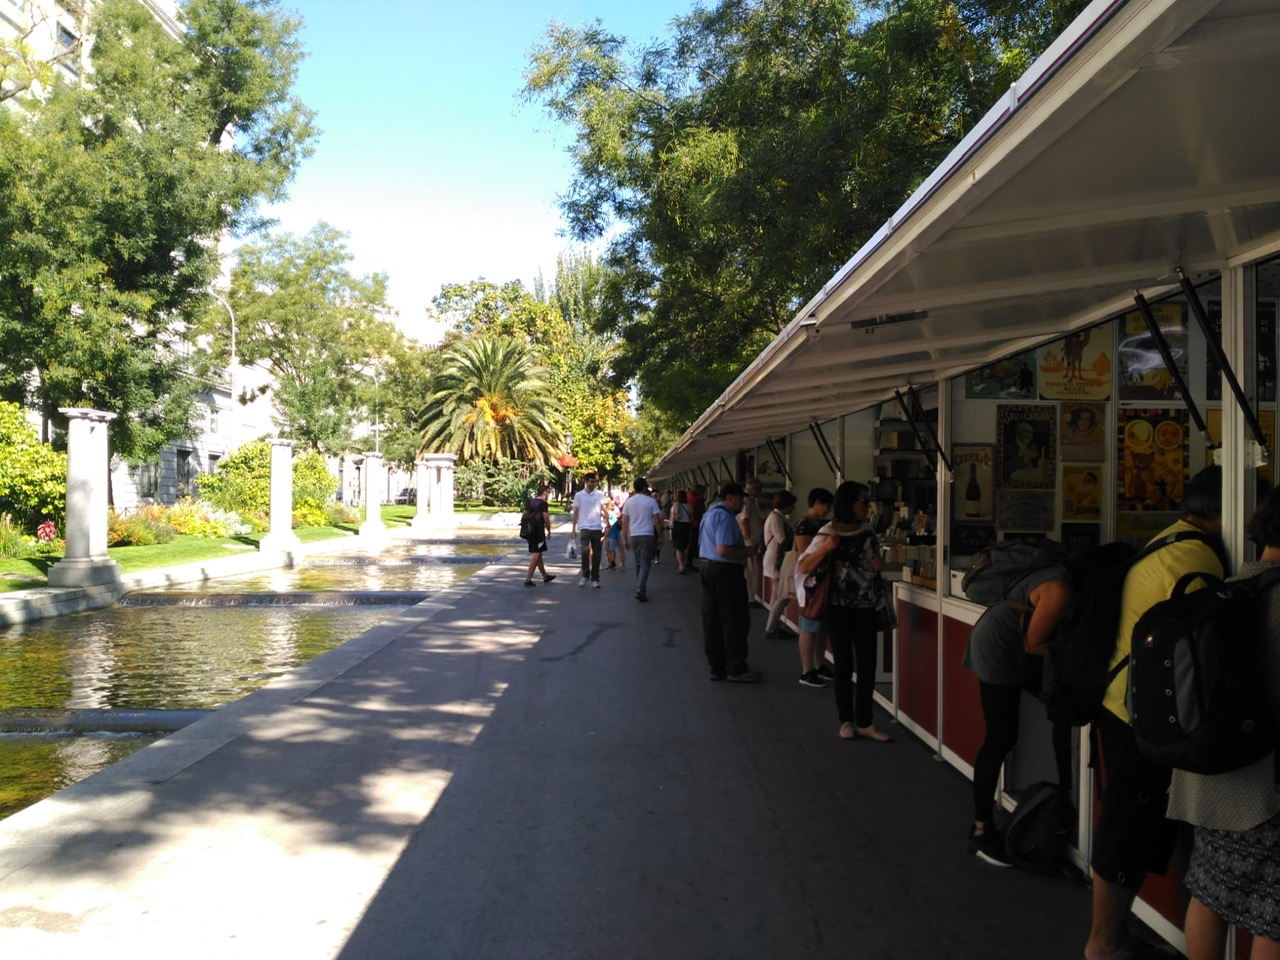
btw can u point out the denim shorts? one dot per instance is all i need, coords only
(810, 626)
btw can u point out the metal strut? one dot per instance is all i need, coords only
(1167, 355)
(825, 448)
(777, 458)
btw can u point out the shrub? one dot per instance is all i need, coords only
(242, 483)
(194, 518)
(33, 476)
(309, 515)
(129, 530)
(336, 513)
(13, 545)
(313, 484)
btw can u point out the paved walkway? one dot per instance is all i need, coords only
(513, 773)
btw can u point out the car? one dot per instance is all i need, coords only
(408, 495)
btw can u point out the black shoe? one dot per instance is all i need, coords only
(989, 847)
(825, 672)
(812, 679)
(548, 578)
(528, 583)
(716, 675)
(745, 676)
(640, 595)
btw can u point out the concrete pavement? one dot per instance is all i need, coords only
(511, 773)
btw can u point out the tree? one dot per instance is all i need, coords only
(114, 197)
(740, 162)
(490, 402)
(317, 327)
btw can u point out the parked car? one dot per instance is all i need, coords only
(408, 495)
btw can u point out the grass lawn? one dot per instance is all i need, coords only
(33, 571)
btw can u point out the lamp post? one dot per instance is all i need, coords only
(232, 370)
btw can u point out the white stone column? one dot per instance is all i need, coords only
(86, 562)
(373, 529)
(440, 469)
(280, 537)
(421, 482)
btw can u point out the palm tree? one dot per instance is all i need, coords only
(490, 402)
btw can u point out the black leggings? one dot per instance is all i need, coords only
(853, 631)
(1000, 706)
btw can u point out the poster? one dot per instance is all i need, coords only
(1139, 529)
(1080, 538)
(1266, 419)
(974, 484)
(1027, 446)
(1154, 444)
(1143, 375)
(1013, 378)
(1082, 492)
(1084, 432)
(1265, 345)
(1077, 367)
(1029, 510)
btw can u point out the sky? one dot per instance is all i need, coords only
(427, 157)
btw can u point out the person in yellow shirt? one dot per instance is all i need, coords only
(1132, 837)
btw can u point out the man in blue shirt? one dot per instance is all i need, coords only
(726, 616)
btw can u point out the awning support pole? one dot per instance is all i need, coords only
(921, 418)
(1220, 358)
(825, 448)
(777, 458)
(1163, 346)
(729, 473)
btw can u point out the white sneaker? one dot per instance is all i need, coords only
(582, 581)
(596, 584)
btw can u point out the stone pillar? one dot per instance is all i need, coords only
(373, 528)
(440, 472)
(280, 537)
(421, 482)
(86, 562)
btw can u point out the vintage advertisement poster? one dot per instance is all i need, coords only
(1027, 445)
(1077, 367)
(1154, 445)
(1143, 374)
(1084, 432)
(1264, 341)
(1266, 419)
(1025, 510)
(1082, 492)
(1013, 378)
(973, 489)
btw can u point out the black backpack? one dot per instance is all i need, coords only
(531, 527)
(1197, 695)
(1077, 662)
(997, 568)
(1041, 828)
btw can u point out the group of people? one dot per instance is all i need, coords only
(1234, 872)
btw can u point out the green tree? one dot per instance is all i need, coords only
(242, 481)
(33, 476)
(490, 401)
(318, 328)
(113, 199)
(738, 163)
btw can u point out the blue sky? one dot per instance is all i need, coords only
(428, 159)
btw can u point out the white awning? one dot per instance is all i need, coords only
(1145, 139)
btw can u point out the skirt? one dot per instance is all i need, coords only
(1236, 874)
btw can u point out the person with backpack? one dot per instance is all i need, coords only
(779, 561)
(1132, 837)
(850, 546)
(1234, 875)
(1006, 651)
(814, 671)
(535, 529)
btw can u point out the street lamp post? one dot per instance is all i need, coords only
(232, 370)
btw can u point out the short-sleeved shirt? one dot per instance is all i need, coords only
(537, 506)
(641, 511)
(588, 507)
(1148, 582)
(996, 651)
(755, 520)
(719, 527)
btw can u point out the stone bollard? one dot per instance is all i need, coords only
(280, 537)
(373, 529)
(86, 562)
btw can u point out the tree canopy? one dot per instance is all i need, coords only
(738, 163)
(114, 197)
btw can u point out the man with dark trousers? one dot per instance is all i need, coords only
(726, 616)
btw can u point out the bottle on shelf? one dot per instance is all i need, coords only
(973, 493)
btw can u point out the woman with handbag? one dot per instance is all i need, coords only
(851, 551)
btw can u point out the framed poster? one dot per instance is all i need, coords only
(1082, 492)
(1154, 445)
(974, 485)
(1084, 432)
(968, 538)
(1143, 375)
(1029, 510)
(1027, 444)
(1077, 367)
(1080, 538)
(1013, 378)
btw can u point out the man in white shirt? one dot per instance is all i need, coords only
(641, 521)
(587, 504)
